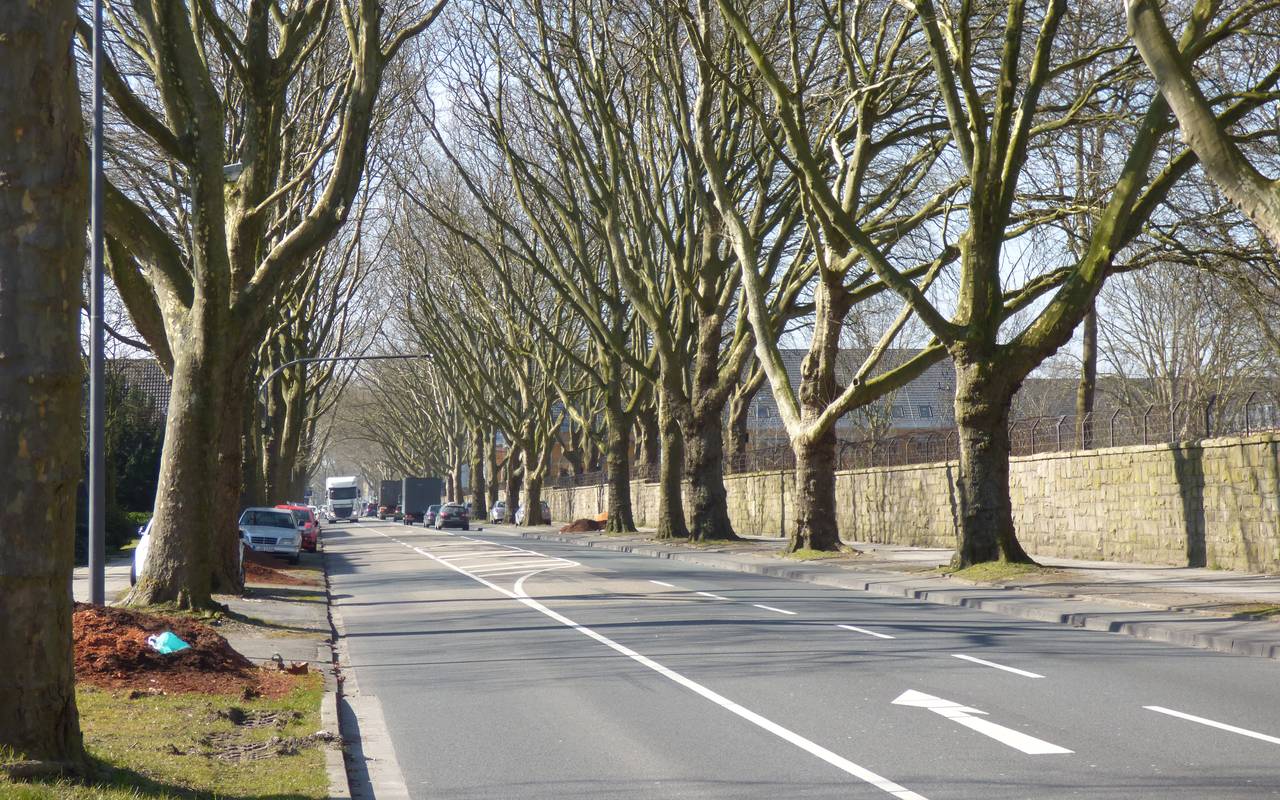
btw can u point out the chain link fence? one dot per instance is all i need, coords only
(1226, 415)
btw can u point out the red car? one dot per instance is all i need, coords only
(308, 525)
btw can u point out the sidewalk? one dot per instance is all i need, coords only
(1228, 612)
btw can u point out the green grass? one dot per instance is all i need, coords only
(808, 554)
(1257, 611)
(993, 571)
(168, 746)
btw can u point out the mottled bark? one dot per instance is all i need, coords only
(533, 500)
(479, 486)
(491, 456)
(224, 533)
(1087, 388)
(649, 448)
(513, 489)
(704, 466)
(671, 521)
(43, 215)
(618, 465)
(983, 505)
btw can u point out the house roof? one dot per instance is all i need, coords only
(146, 375)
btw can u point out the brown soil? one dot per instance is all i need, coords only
(111, 652)
(582, 526)
(261, 568)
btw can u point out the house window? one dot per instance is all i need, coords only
(897, 412)
(762, 411)
(926, 412)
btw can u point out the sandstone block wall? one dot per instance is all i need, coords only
(1211, 503)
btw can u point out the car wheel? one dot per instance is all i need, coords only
(466, 527)
(295, 558)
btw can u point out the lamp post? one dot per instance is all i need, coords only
(97, 397)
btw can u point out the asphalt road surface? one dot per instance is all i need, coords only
(507, 668)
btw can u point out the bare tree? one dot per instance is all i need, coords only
(43, 216)
(247, 135)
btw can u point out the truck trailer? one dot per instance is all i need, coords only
(340, 498)
(388, 499)
(417, 495)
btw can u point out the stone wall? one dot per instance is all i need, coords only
(1211, 503)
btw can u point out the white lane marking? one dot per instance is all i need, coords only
(1014, 670)
(964, 715)
(771, 608)
(482, 570)
(660, 583)
(856, 629)
(1219, 725)
(786, 734)
(712, 596)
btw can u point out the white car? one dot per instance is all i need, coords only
(144, 548)
(546, 513)
(271, 530)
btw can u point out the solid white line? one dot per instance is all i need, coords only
(809, 746)
(1014, 670)
(668, 585)
(856, 629)
(1220, 725)
(713, 596)
(529, 562)
(496, 573)
(771, 608)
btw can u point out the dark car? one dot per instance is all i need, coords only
(429, 517)
(453, 515)
(371, 510)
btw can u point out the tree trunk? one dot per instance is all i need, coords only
(179, 561)
(513, 488)
(985, 511)
(704, 464)
(1087, 389)
(479, 509)
(650, 449)
(533, 500)
(815, 517)
(224, 542)
(618, 465)
(491, 455)
(43, 215)
(671, 522)
(815, 509)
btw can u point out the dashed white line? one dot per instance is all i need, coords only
(984, 663)
(712, 596)
(856, 629)
(786, 734)
(771, 608)
(1219, 725)
(661, 583)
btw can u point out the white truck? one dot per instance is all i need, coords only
(341, 496)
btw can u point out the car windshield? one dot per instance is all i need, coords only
(343, 493)
(432, 509)
(270, 519)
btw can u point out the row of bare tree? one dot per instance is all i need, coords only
(599, 218)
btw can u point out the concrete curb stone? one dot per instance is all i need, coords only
(1141, 621)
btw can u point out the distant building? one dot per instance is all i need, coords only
(925, 403)
(145, 375)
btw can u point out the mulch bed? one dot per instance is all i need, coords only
(261, 568)
(582, 526)
(111, 652)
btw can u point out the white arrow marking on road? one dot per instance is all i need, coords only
(964, 715)
(1219, 725)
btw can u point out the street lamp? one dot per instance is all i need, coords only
(97, 397)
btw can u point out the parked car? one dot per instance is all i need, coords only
(429, 516)
(499, 511)
(308, 525)
(271, 530)
(453, 515)
(143, 549)
(546, 513)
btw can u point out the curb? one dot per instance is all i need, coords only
(334, 757)
(1222, 635)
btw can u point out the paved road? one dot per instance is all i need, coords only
(510, 669)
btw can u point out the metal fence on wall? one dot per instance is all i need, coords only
(1255, 412)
